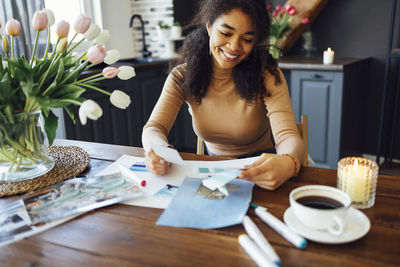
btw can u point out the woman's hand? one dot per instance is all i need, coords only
(156, 164)
(269, 171)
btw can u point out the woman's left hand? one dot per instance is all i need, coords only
(269, 171)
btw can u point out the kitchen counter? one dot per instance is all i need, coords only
(315, 63)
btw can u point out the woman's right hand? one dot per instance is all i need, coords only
(156, 164)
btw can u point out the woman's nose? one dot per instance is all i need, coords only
(235, 44)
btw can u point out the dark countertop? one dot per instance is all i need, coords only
(315, 63)
(288, 63)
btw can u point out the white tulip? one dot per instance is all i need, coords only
(50, 16)
(89, 109)
(92, 32)
(75, 57)
(126, 72)
(120, 99)
(112, 56)
(103, 37)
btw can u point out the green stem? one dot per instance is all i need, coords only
(91, 77)
(71, 41)
(12, 46)
(34, 48)
(83, 65)
(95, 88)
(78, 43)
(48, 43)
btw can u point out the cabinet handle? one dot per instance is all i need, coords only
(318, 76)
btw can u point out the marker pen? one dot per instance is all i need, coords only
(254, 252)
(255, 233)
(131, 175)
(279, 227)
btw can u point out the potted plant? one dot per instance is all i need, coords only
(163, 30)
(176, 30)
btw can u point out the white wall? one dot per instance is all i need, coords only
(115, 18)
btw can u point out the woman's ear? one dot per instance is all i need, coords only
(208, 27)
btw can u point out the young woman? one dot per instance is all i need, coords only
(237, 95)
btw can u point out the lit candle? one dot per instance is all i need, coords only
(358, 177)
(329, 55)
(358, 182)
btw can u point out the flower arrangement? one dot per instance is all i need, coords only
(52, 81)
(281, 19)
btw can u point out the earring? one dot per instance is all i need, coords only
(209, 51)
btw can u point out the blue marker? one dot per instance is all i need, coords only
(279, 227)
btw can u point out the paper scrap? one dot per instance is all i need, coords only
(219, 180)
(169, 154)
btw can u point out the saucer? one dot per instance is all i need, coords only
(357, 226)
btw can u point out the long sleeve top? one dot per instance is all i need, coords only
(228, 124)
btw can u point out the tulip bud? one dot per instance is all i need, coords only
(292, 11)
(13, 27)
(89, 109)
(126, 72)
(120, 99)
(103, 37)
(50, 16)
(62, 29)
(112, 56)
(6, 44)
(305, 20)
(62, 45)
(96, 54)
(110, 72)
(40, 20)
(82, 23)
(92, 32)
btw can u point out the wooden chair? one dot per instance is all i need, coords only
(301, 127)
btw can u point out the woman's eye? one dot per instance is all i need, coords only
(249, 41)
(225, 34)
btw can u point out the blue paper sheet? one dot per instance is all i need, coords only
(194, 207)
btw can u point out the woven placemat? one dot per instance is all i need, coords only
(69, 161)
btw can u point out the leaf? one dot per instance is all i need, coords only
(70, 113)
(69, 91)
(50, 126)
(27, 87)
(60, 72)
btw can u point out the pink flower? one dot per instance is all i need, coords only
(62, 29)
(305, 20)
(278, 8)
(275, 13)
(110, 72)
(96, 54)
(82, 23)
(13, 27)
(40, 20)
(269, 8)
(287, 8)
(292, 11)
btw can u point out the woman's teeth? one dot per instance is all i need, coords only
(229, 55)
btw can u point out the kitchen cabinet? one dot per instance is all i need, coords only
(333, 98)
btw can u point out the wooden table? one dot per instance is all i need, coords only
(123, 235)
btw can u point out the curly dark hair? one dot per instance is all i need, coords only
(248, 76)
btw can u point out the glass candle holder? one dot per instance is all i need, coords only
(358, 177)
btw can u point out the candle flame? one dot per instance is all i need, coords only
(355, 166)
(329, 49)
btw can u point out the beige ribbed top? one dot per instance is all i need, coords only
(226, 122)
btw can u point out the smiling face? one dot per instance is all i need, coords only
(231, 38)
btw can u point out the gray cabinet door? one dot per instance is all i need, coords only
(318, 94)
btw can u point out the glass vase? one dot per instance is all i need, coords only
(23, 147)
(274, 48)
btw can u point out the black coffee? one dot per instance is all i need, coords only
(320, 202)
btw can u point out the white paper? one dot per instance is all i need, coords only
(159, 189)
(168, 154)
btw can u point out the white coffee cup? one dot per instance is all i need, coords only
(321, 207)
